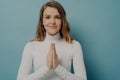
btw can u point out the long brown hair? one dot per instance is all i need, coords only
(65, 30)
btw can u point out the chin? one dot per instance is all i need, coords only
(53, 33)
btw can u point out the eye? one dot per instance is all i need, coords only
(58, 17)
(47, 17)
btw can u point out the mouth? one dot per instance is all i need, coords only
(52, 27)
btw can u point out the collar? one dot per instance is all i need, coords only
(52, 37)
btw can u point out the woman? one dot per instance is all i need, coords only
(53, 52)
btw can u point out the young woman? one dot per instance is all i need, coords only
(53, 52)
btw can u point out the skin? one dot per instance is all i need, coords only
(52, 58)
(51, 20)
(52, 25)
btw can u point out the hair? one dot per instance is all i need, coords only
(65, 30)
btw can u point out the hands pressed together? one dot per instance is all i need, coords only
(52, 58)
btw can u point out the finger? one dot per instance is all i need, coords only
(53, 48)
(53, 45)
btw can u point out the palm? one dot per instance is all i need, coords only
(52, 58)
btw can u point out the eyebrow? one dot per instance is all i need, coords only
(50, 15)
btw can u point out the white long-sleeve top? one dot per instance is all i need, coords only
(35, 54)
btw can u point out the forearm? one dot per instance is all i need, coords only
(39, 74)
(66, 75)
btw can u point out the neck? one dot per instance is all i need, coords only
(52, 37)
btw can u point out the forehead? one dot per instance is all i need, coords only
(51, 11)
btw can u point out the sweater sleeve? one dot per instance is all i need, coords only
(24, 72)
(78, 65)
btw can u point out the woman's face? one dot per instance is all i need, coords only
(51, 20)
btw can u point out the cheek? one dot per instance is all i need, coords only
(45, 22)
(59, 23)
(59, 28)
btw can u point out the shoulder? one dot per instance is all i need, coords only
(76, 43)
(77, 48)
(32, 44)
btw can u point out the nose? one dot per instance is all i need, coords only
(52, 21)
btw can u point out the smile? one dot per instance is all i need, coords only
(53, 27)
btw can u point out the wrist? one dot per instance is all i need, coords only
(57, 67)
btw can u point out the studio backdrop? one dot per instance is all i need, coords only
(94, 23)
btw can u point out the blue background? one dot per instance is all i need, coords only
(95, 23)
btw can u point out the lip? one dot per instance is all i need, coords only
(53, 27)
